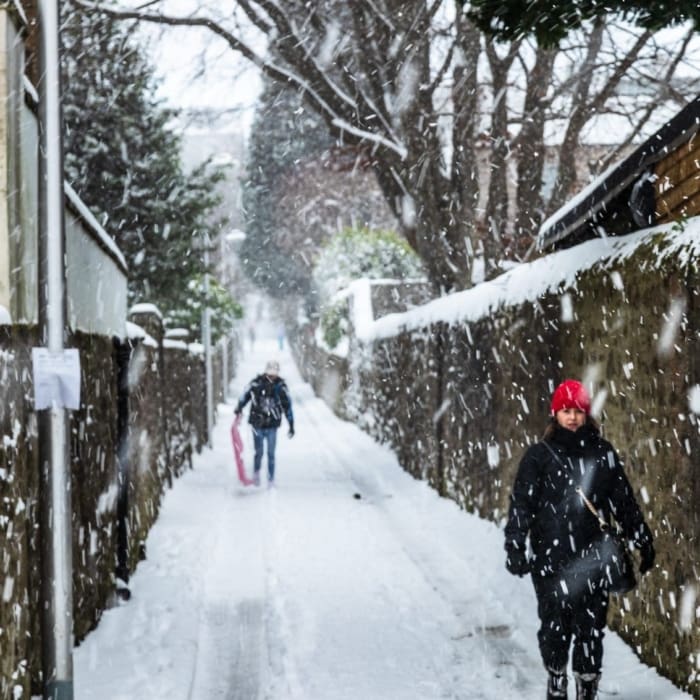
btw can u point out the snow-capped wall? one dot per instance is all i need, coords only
(460, 386)
(162, 391)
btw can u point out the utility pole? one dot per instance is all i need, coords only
(54, 445)
(225, 341)
(206, 341)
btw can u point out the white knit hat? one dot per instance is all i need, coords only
(272, 368)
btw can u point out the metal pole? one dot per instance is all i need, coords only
(224, 365)
(206, 340)
(57, 573)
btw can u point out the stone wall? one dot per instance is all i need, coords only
(327, 373)
(166, 425)
(628, 325)
(19, 515)
(92, 431)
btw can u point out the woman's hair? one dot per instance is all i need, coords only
(592, 422)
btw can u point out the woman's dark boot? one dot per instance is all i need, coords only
(556, 685)
(587, 685)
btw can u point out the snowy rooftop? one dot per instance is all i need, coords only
(172, 343)
(135, 331)
(592, 200)
(177, 333)
(89, 218)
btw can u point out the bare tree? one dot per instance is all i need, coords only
(423, 92)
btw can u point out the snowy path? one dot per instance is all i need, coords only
(306, 592)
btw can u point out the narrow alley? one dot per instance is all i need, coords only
(347, 580)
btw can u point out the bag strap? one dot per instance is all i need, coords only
(591, 507)
(554, 454)
(579, 491)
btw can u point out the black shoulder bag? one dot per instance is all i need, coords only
(616, 565)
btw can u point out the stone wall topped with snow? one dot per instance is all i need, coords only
(461, 386)
(140, 419)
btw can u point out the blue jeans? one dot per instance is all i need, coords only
(260, 436)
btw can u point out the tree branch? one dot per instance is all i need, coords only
(329, 102)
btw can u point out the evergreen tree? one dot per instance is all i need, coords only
(551, 20)
(283, 135)
(124, 162)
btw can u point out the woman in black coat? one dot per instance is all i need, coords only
(547, 506)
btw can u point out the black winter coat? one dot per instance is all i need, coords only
(545, 505)
(269, 399)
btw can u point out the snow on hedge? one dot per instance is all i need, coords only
(356, 253)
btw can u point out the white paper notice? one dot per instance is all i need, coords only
(56, 379)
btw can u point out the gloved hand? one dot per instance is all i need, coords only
(516, 562)
(648, 557)
(291, 430)
(238, 411)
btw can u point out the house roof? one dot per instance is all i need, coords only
(591, 204)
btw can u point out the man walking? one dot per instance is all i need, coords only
(269, 399)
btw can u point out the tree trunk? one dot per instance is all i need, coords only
(530, 152)
(497, 204)
(465, 168)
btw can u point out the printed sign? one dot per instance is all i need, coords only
(56, 379)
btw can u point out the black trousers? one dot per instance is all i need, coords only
(570, 607)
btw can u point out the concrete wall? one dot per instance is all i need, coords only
(11, 93)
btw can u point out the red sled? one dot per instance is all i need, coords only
(238, 451)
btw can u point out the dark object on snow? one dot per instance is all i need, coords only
(357, 496)
(123, 594)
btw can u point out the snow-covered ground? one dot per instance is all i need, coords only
(348, 580)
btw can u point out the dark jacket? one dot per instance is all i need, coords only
(545, 505)
(269, 399)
